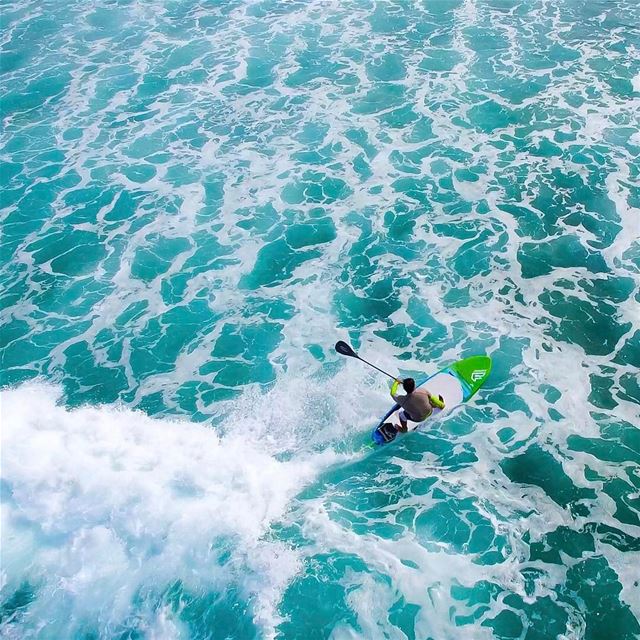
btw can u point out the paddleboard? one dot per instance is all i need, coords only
(456, 383)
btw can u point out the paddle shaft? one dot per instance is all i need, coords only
(344, 349)
(376, 368)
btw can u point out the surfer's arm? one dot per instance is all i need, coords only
(436, 401)
(394, 389)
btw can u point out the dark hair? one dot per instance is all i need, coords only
(409, 384)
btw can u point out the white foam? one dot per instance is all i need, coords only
(104, 502)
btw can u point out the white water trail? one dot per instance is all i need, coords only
(104, 505)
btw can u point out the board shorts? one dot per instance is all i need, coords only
(405, 417)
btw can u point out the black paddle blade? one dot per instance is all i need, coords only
(345, 349)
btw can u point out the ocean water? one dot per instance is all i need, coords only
(199, 198)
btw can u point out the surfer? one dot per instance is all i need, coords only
(458, 382)
(417, 405)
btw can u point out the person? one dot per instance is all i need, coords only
(417, 405)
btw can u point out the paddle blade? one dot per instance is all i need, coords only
(345, 349)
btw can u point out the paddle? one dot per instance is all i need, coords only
(344, 349)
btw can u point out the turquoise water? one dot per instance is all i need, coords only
(199, 199)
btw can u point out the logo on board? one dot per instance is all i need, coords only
(478, 374)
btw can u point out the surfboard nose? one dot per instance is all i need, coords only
(474, 371)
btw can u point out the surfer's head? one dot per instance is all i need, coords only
(409, 384)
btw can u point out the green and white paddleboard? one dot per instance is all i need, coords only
(455, 383)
